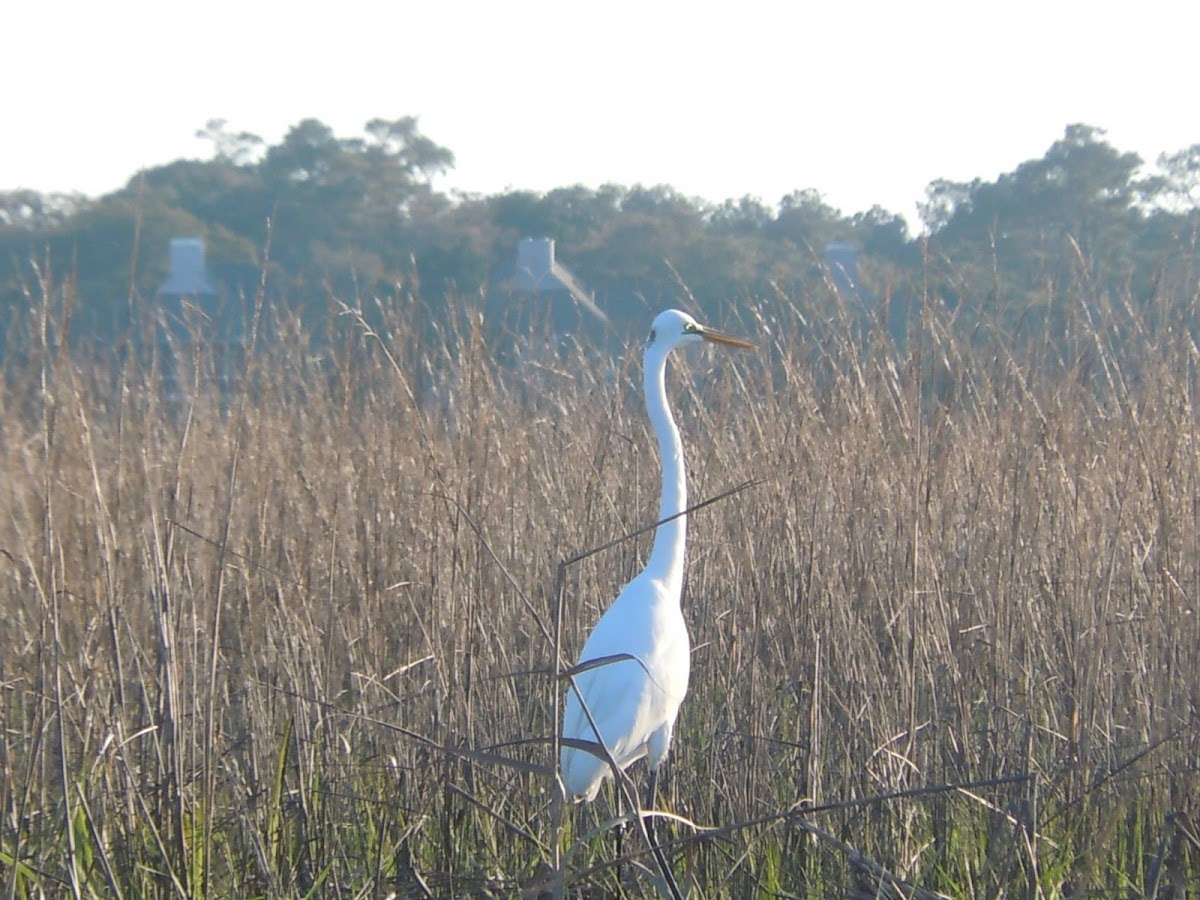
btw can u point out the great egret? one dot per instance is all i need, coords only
(634, 702)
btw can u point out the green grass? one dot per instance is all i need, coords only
(300, 640)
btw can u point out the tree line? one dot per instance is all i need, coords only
(355, 217)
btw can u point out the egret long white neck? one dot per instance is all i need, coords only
(666, 557)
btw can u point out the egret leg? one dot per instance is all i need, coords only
(620, 829)
(664, 866)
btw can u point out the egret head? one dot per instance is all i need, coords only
(672, 328)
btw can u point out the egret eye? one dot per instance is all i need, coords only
(653, 335)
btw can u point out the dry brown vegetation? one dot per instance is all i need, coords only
(299, 639)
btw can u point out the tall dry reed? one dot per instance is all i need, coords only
(293, 634)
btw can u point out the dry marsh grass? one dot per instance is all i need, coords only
(299, 639)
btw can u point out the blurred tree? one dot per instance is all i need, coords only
(944, 199)
(522, 214)
(25, 211)
(1083, 192)
(577, 211)
(746, 216)
(215, 191)
(1180, 181)
(239, 149)
(308, 154)
(402, 148)
(805, 219)
(341, 206)
(884, 234)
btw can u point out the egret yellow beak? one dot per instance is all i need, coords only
(719, 337)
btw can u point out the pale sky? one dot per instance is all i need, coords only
(866, 102)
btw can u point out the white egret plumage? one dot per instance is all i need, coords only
(633, 703)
